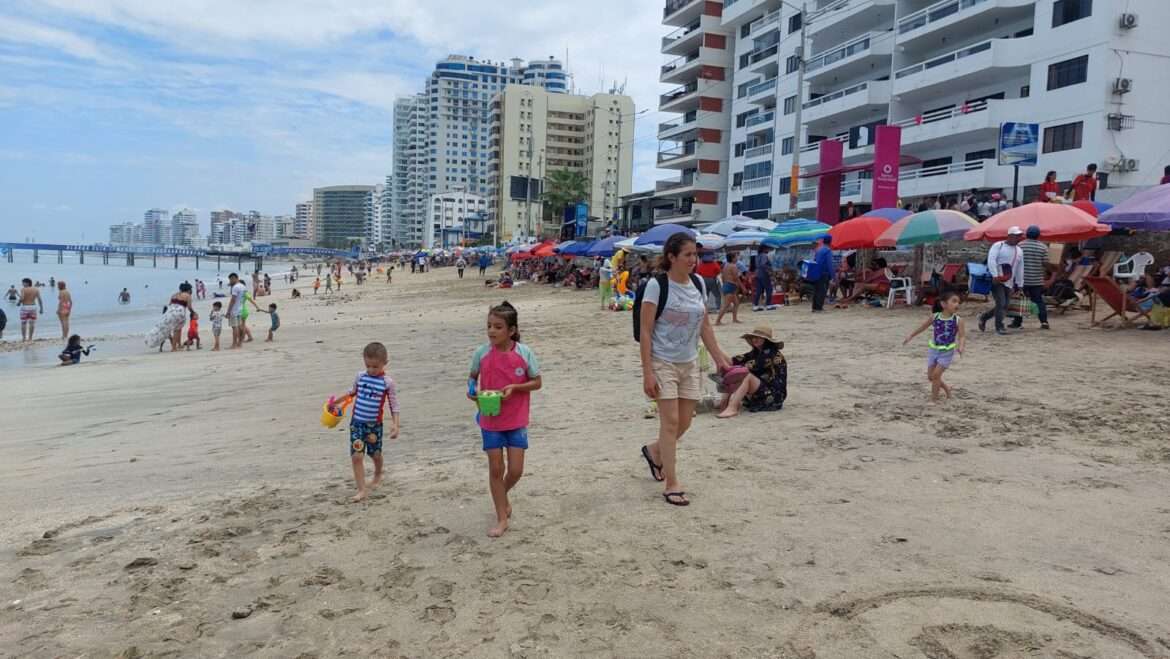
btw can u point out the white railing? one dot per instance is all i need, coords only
(757, 183)
(850, 49)
(672, 183)
(765, 21)
(816, 146)
(935, 12)
(849, 188)
(757, 151)
(836, 95)
(679, 62)
(678, 152)
(759, 119)
(763, 86)
(942, 115)
(953, 56)
(943, 170)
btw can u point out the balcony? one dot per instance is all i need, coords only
(682, 69)
(968, 122)
(953, 178)
(681, 12)
(756, 120)
(761, 183)
(757, 151)
(970, 16)
(852, 105)
(838, 21)
(852, 59)
(667, 157)
(763, 23)
(857, 190)
(683, 39)
(979, 64)
(755, 93)
(673, 185)
(761, 58)
(677, 128)
(680, 98)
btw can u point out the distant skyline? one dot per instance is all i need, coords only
(112, 107)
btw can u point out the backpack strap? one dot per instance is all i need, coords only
(663, 291)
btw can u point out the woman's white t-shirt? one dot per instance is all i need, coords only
(676, 332)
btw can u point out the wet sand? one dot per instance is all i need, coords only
(192, 504)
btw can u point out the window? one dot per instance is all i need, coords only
(756, 202)
(737, 179)
(935, 163)
(739, 148)
(741, 119)
(744, 60)
(986, 154)
(1069, 72)
(786, 145)
(790, 105)
(792, 63)
(745, 30)
(1067, 11)
(1063, 138)
(758, 170)
(743, 89)
(794, 23)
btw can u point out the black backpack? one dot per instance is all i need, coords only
(663, 292)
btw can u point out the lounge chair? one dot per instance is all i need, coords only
(1133, 267)
(1121, 304)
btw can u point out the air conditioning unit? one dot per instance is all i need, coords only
(1122, 85)
(1127, 165)
(1128, 21)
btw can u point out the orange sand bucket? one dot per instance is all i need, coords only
(331, 414)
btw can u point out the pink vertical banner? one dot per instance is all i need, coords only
(887, 154)
(829, 185)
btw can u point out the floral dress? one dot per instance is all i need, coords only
(769, 366)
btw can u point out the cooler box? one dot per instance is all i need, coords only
(810, 270)
(979, 282)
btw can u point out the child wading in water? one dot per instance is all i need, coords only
(372, 390)
(949, 338)
(504, 364)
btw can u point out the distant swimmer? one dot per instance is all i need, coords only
(124, 297)
(13, 296)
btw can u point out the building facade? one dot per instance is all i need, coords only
(441, 136)
(452, 216)
(341, 214)
(535, 132)
(184, 229)
(127, 233)
(949, 73)
(303, 221)
(156, 227)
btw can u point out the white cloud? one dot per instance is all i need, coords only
(24, 32)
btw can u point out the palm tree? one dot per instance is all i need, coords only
(562, 188)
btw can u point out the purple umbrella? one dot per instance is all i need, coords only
(891, 214)
(1148, 210)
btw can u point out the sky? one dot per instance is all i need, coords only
(111, 107)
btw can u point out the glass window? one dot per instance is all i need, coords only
(1067, 11)
(792, 64)
(1063, 138)
(786, 145)
(794, 23)
(1068, 72)
(790, 105)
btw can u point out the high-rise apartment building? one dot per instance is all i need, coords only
(697, 143)
(184, 229)
(386, 213)
(949, 73)
(303, 221)
(285, 226)
(156, 229)
(535, 133)
(127, 233)
(441, 136)
(340, 214)
(374, 233)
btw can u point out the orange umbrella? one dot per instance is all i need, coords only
(1059, 223)
(858, 233)
(544, 250)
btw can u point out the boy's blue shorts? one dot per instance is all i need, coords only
(359, 437)
(493, 439)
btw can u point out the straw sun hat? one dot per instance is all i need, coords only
(763, 332)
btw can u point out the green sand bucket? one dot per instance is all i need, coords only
(489, 402)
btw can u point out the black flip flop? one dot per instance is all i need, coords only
(683, 502)
(655, 470)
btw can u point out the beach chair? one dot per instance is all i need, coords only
(1133, 267)
(1121, 304)
(900, 285)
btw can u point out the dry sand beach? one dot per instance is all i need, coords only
(192, 505)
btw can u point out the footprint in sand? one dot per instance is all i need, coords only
(440, 589)
(439, 614)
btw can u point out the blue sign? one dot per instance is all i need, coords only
(582, 220)
(1019, 144)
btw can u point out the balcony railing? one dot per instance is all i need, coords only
(836, 95)
(679, 34)
(674, 183)
(816, 146)
(763, 86)
(935, 12)
(764, 22)
(677, 152)
(673, 6)
(953, 56)
(849, 188)
(760, 54)
(757, 183)
(757, 151)
(662, 213)
(679, 62)
(759, 119)
(679, 92)
(942, 115)
(837, 54)
(943, 170)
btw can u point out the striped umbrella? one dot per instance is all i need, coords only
(745, 238)
(927, 227)
(796, 232)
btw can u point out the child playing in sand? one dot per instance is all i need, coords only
(316, 285)
(372, 390)
(216, 322)
(72, 353)
(949, 339)
(504, 364)
(275, 320)
(193, 332)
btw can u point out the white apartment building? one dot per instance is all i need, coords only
(441, 135)
(374, 233)
(156, 229)
(303, 220)
(448, 214)
(386, 212)
(184, 229)
(949, 72)
(534, 133)
(127, 233)
(699, 70)
(285, 226)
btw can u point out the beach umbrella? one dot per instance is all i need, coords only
(758, 225)
(1059, 223)
(722, 227)
(1094, 208)
(710, 241)
(891, 214)
(626, 244)
(661, 233)
(604, 247)
(578, 248)
(1148, 210)
(796, 232)
(544, 250)
(927, 227)
(561, 247)
(745, 238)
(858, 233)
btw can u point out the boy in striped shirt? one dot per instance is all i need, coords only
(372, 391)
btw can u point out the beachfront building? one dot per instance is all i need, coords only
(126, 233)
(184, 229)
(285, 226)
(156, 229)
(340, 214)
(451, 215)
(374, 232)
(535, 133)
(303, 220)
(441, 135)
(696, 143)
(386, 212)
(949, 73)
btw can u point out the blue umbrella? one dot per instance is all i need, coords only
(578, 248)
(604, 247)
(661, 233)
(560, 249)
(891, 214)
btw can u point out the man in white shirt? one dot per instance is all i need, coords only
(1005, 260)
(236, 308)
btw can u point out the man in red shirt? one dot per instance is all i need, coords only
(1084, 186)
(709, 270)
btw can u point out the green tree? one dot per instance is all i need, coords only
(562, 188)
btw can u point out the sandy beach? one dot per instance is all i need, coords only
(192, 505)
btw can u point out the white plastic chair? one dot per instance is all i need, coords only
(900, 285)
(1133, 267)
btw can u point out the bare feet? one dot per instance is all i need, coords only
(498, 530)
(359, 497)
(737, 321)
(376, 482)
(729, 411)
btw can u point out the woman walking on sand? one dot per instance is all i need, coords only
(64, 308)
(170, 326)
(669, 339)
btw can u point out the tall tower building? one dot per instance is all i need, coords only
(303, 221)
(340, 214)
(411, 155)
(184, 229)
(156, 228)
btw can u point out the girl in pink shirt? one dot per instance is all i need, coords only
(504, 364)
